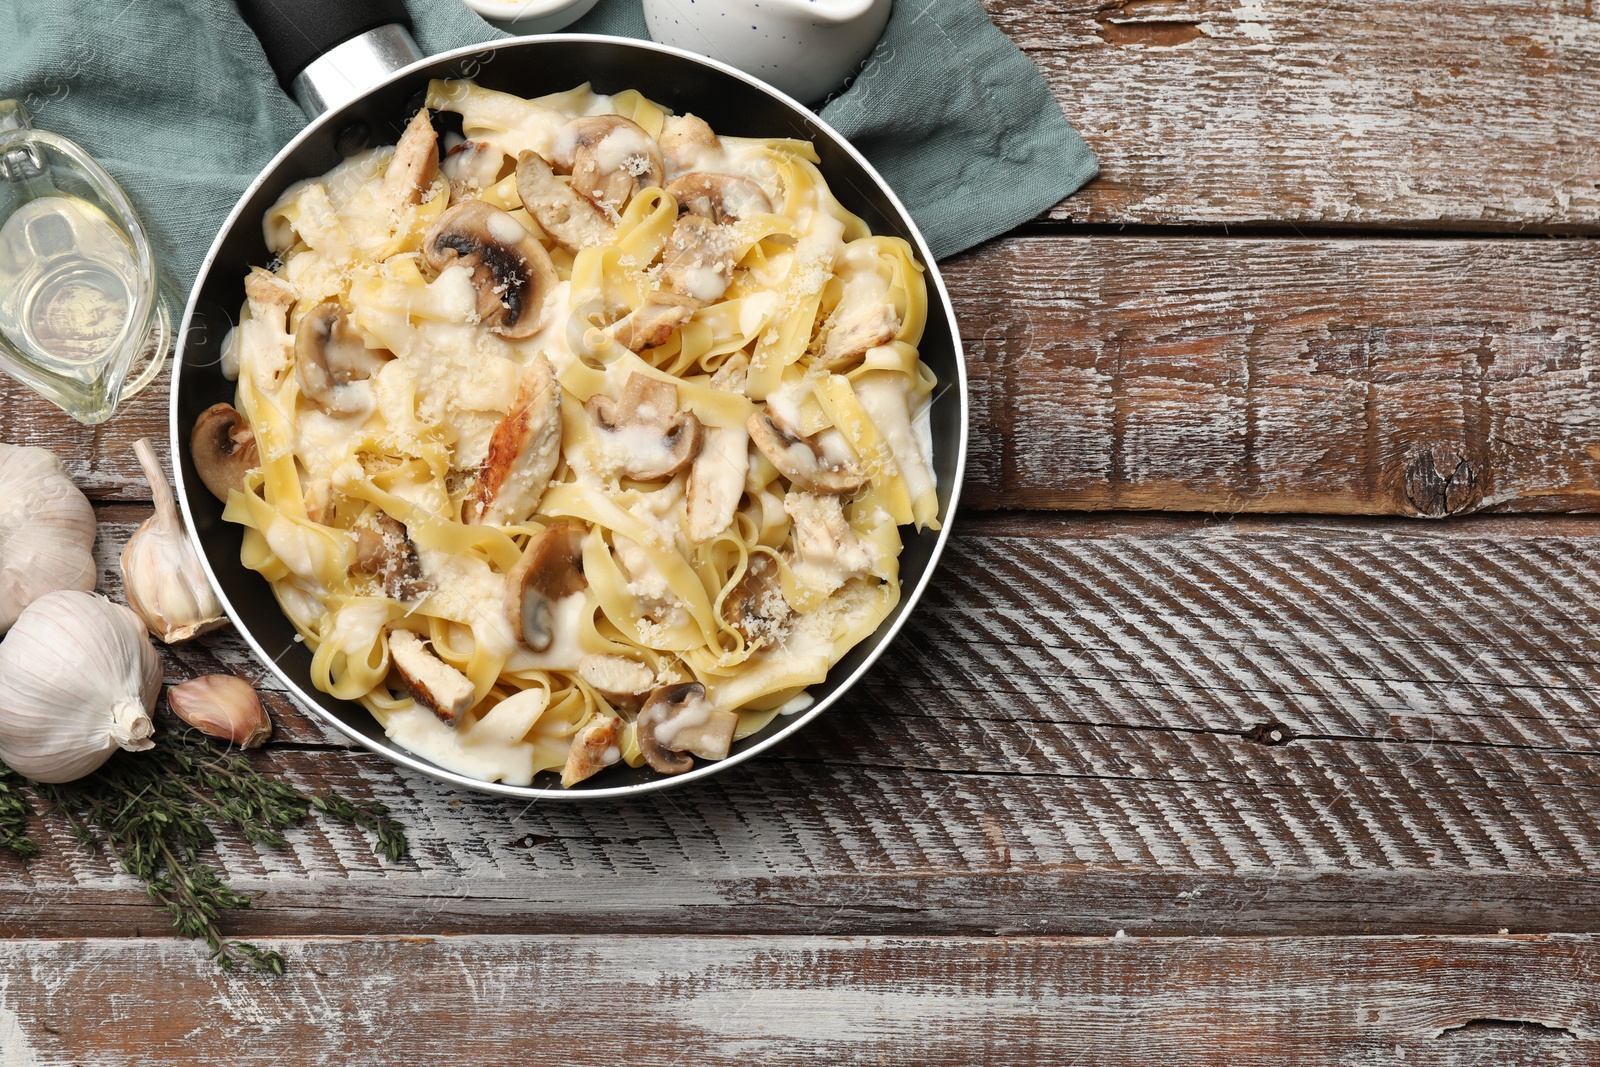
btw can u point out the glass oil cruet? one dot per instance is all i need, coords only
(82, 318)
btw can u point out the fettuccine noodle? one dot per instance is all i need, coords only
(591, 443)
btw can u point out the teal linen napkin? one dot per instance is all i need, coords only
(175, 99)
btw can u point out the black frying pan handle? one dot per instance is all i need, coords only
(293, 33)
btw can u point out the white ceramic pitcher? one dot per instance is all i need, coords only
(807, 48)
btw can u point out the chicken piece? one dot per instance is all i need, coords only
(432, 682)
(414, 165)
(594, 748)
(523, 452)
(716, 481)
(826, 552)
(571, 220)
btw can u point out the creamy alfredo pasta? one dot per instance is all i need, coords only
(588, 442)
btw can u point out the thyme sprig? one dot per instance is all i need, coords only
(153, 813)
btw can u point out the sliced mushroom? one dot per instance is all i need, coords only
(384, 549)
(697, 262)
(414, 165)
(612, 159)
(572, 221)
(594, 748)
(678, 719)
(755, 607)
(511, 271)
(799, 458)
(551, 568)
(622, 681)
(670, 439)
(716, 481)
(523, 452)
(653, 322)
(432, 682)
(223, 447)
(471, 167)
(329, 354)
(688, 143)
(826, 552)
(718, 197)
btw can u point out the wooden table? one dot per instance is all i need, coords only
(1254, 717)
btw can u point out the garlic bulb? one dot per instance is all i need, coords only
(224, 707)
(161, 573)
(78, 678)
(46, 531)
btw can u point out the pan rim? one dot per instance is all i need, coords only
(391, 750)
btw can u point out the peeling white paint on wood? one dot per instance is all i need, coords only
(778, 1000)
(1419, 378)
(1448, 114)
(1068, 737)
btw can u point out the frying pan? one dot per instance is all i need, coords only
(354, 69)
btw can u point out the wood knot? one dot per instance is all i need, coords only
(1436, 493)
(1269, 733)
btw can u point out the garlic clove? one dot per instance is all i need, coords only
(161, 573)
(78, 679)
(46, 531)
(224, 707)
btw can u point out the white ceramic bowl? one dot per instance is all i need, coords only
(807, 48)
(531, 16)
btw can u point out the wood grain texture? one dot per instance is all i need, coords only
(1139, 722)
(1421, 378)
(1449, 1002)
(1448, 114)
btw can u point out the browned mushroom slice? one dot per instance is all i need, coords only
(223, 447)
(523, 452)
(655, 438)
(622, 681)
(594, 748)
(471, 167)
(697, 262)
(688, 143)
(718, 197)
(329, 354)
(511, 271)
(414, 165)
(612, 159)
(755, 607)
(678, 719)
(431, 681)
(571, 221)
(653, 322)
(799, 458)
(551, 568)
(384, 549)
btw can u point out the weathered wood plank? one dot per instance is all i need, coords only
(1449, 1002)
(1371, 377)
(1452, 114)
(1144, 722)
